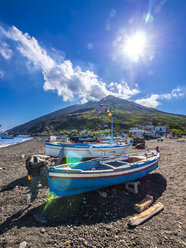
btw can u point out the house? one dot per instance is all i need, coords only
(150, 135)
(162, 131)
(133, 128)
(135, 132)
(148, 127)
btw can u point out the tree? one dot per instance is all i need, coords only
(176, 132)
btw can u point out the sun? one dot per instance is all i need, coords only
(135, 45)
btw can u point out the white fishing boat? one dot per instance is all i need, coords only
(87, 151)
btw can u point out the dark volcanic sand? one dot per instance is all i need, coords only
(89, 220)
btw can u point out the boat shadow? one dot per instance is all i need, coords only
(112, 204)
(23, 181)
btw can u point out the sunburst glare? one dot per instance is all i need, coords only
(135, 45)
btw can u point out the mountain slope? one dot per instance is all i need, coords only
(24, 128)
(91, 116)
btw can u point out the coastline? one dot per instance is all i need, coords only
(14, 141)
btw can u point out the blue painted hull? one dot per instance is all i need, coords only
(66, 184)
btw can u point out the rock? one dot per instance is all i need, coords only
(23, 244)
(168, 232)
(23, 156)
(85, 243)
(42, 230)
(103, 194)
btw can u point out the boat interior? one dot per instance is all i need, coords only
(106, 164)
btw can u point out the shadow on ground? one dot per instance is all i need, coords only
(23, 181)
(88, 208)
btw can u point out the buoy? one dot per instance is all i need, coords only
(157, 148)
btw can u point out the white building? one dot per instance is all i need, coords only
(148, 127)
(162, 131)
(135, 132)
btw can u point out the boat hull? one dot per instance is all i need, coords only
(86, 151)
(66, 184)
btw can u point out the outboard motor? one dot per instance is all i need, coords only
(33, 166)
(37, 167)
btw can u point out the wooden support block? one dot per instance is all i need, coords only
(132, 187)
(145, 215)
(144, 204)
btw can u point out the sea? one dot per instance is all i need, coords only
(15, 140)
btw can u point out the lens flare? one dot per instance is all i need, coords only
(148, 18)
(73, 157)
(134, 46)
(50, 200)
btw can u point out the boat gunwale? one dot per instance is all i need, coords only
(91, 176)
(84, 146)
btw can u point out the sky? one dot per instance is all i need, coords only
(55, 53)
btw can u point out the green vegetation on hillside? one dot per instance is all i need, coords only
(126, 114)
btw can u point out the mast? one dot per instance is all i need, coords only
(112, 139)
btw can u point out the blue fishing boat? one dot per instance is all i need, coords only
(5, 136)
(75, 178)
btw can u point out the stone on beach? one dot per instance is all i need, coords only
(23, 244)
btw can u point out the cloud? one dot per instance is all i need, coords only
(29, 48)
(70, 82)
(123, 90)
(5, 51)
(2, 74)
(152, 101)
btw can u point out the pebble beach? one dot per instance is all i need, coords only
(91, 219)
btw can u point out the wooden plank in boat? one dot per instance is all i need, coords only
(108, 165)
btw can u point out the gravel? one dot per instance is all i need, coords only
(91, 220)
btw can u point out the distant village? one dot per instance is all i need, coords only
(146, 131)
(150, 131)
